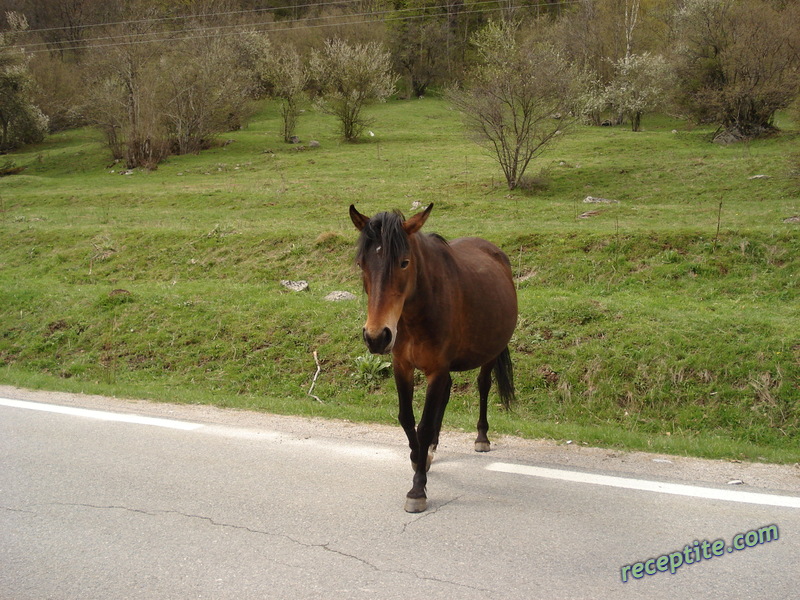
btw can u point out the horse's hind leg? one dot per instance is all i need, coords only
(438, 424)
(484, 384)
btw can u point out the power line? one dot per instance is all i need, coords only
(180, 17)
(144, 34)
(317, 4)
(272, 26)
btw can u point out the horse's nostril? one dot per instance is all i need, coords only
(379, 344)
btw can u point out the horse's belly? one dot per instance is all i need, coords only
(489, 310)
(483, 337)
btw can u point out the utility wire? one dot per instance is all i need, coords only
(274, 26)
(192, 16)
(143, 34)
(249, 11)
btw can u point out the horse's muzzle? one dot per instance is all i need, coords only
(380, 344)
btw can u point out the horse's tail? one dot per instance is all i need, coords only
(504, 374)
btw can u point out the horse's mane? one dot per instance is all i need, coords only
(385, 231)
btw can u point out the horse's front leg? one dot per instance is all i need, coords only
(404, 379)
(436, 399)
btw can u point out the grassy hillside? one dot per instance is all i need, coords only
(667, 320)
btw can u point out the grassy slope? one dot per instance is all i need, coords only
(640, 325)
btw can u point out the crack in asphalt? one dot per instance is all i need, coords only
(401, 572)
(19, 510)
(429, 513)
(210, 520)
(327, 546)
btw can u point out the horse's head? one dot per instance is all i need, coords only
(387, 265)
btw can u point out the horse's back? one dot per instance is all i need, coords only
(475, 251)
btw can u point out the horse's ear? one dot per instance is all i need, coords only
(358, 219)
(415, 223)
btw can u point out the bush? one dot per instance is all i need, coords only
(285, 77)
(156, 99)
(59, 92)
(349, 78)
(639, 86)
(737, 63)
(21, 121)
(520, 97)
(9, 167)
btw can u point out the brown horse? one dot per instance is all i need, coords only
(437, 307)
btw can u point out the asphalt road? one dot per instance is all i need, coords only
(207, 503)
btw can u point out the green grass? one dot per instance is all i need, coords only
(658, 322)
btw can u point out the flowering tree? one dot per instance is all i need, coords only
(285, 78)
(21, 122)
(640, 86)
(349, 78)
(289, 83)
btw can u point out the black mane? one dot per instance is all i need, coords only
(385, 231)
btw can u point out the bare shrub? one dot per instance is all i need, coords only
(201, 93)
(518, 99)
(160, 98)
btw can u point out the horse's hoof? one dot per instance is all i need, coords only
(427, 466)
(482, 446)
(416, 505)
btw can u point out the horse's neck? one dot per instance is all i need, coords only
(436, 269)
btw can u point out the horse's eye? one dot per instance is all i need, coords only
(404, 264)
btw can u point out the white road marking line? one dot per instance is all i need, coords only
(353, 450)
(648, 486)
(100, 415)
(348, 449)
